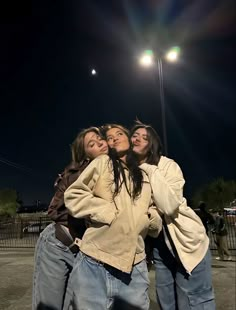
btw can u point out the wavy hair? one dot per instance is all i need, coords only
(77, 147)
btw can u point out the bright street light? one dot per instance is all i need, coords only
(147, 59)
(173, 54)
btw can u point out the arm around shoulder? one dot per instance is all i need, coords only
(167, 185)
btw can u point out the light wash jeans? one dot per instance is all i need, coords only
(53, 264)
(100, 287)
(176, 289)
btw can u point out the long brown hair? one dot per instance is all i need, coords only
(79, 158)
(77, 147)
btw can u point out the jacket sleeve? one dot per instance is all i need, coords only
(57, 210)
(79, 197)
(155, 225)
(167, 186)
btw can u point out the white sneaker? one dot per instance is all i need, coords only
(229, 258)
(218, 258)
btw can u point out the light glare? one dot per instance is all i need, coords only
(173, 54)
(146, 60)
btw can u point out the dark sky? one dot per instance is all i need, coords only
(48, 49)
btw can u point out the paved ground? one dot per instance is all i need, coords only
(16, 267)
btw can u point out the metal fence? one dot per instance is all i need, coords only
(230, 222)
(22, 231)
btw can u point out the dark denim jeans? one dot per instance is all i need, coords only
(175, 288)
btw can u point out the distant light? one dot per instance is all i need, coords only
(146, 59)
(173, 54)
(94, 72)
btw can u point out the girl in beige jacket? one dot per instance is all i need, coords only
(114, 196)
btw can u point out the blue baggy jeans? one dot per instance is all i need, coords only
(98, 286)
(175, 289)
(53, 264)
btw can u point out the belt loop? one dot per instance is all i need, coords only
(77, 242)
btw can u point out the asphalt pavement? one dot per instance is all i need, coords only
(16, 269)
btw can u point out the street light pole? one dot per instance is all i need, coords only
(162, 99)
(148, 60)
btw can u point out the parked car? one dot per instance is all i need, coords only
(35, 227)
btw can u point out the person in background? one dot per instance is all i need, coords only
(181, 252)
(221, 237)
(205, 216)
(55, 250)
(114, 196)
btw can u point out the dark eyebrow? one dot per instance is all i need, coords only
(140, 134)
(118, 131)
(97, 137)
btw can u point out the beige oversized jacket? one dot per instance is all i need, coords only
(116, 228)
(185, 227)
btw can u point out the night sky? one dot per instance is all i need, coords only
(48, 94)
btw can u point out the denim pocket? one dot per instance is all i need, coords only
(205, 264)
(54, 242)
(141, 269)
(78, 259)
(202, 300)
(61, 246)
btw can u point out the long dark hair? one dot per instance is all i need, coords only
(131, 163)
(154, 142)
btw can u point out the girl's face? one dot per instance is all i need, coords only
(140, 142)
(118, 140)
(94, 145)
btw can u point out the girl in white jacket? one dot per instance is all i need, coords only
(181, 252)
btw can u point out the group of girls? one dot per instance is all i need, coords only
(118, 193)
